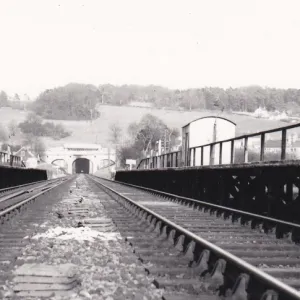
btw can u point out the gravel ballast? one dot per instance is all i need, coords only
(104, 266)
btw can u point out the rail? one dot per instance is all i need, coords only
(268, 223)
(51, 184)
(174, 159)
(263, 281)
(7, 159)
(4, 190)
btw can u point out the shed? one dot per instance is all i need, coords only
(204, 131)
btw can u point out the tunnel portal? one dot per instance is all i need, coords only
(81, 165)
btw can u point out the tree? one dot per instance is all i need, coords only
(35, 144)
(133, 130)
(128, 152)
(3, 99)
(3, 134)
(17, 97)
(149, 131)
(144, 136)
(70, 102)
(39, 148)
(115, 133)
(174, 133)
(13, 128)
(115, 137)
(34, 125)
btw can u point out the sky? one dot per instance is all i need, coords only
(176, 44)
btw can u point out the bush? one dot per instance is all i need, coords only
(55, 131)
(34, 125)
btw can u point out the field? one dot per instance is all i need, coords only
(98, 130)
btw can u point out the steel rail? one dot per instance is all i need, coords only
(18, 205)
(43, 185)
(210, 205)
(20, 186)
(270, 281)
(12, 195)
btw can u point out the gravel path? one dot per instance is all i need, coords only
(104, 266)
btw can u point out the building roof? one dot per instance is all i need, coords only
(213, 117)
(28, 153)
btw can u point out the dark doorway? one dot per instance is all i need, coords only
(81, 165)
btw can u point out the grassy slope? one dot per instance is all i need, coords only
(98, 131)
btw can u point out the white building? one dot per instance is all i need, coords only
(292, 146)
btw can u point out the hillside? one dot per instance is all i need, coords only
(98, 130)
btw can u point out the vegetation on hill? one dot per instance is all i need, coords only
(79, 101)
(211, 98)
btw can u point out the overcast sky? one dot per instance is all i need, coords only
(178, 44)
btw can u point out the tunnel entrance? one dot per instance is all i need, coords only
(81, 165)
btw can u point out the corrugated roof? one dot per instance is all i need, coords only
(214, 117)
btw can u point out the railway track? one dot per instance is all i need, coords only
(20, 220)
(53, 257)
(17, 187)
(14, 199)
(213, 254)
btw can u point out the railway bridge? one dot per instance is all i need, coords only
(232, 215)
(222, 174)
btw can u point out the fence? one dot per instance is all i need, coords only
(7, 159)
(167, 160)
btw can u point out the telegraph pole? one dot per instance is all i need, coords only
(214, 137)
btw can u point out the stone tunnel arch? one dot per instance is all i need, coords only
(61, 163)
(82, 165)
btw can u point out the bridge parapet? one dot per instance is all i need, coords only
(12, 176)
(196, 156)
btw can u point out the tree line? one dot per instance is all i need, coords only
(208, 98)
(79, 101)
(13, 102)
